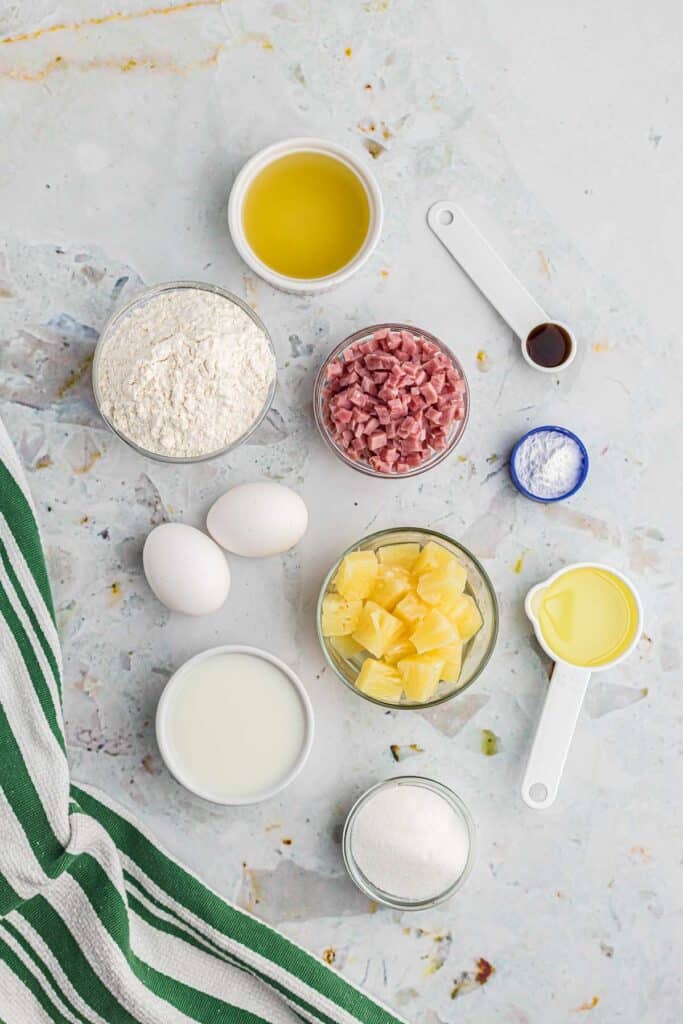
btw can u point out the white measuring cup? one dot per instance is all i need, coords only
(566, 691)
(494, 279)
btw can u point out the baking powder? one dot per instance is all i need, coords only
(548, 464)
(184, 374)
(410, 842)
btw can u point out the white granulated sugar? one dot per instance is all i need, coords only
(185, 373)
(548, 464)
(410, 842)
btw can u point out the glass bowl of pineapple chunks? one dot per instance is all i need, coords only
(407, 618)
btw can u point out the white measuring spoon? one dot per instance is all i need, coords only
(566, 691)
(505, 292)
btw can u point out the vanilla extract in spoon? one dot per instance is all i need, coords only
(549, 345)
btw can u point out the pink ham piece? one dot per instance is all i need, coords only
(392, 400)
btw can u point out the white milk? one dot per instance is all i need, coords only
(234, 725)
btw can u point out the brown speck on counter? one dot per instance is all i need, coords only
(384, 273)
(84, 520)
(400, 752)
(367, 87)
(467, 981)
(386, 131)
(329, 956)
(44, 462)
(588, 1006)
(374, 148)
(273, 825)
(115, 593)
(601, 346)
(90, 460)
(372, 907)
(148, 764)
(484, 971)
(492, 458)
(286, 842)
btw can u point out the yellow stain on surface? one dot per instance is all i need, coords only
(44, 462)
(602, 346)
(75, 376)
(482, 360)
(519, 564)
(384, 273)
(589, 1006)
(115, 593)
(106, 19)
(90, 461)
(348, 51)
(546, 267)
(97, 64)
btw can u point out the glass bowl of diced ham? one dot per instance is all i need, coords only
(391, 400)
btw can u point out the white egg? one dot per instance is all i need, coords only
(185, 569)
(256, 520)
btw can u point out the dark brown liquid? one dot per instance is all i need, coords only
(548, 345)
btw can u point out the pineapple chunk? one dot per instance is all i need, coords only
(340, 617)
(451, 658)
(391, 584)
(356, 575)
(466, 616)
(380, 681)
(377, 629)
(401, 648)
(410, 608)
(442, 587)
(346, 646)
(420, 675)
(433, 556)
(399, 554)
(433, 631)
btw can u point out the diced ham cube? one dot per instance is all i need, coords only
(429, 393)
(377, 440)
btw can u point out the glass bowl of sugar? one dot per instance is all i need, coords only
(409, 843)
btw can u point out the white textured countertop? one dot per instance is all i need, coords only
(558, 127)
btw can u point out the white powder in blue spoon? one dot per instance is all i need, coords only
(548, 464)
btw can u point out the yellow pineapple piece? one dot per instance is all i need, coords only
(391, 584)
(420, 675)
(451, 658)
(410, 608)
(356, 575)
(400, 648)
(377, 629)
(346, 646)
(433, 556)
(466, 616)
(380, 681)
(442, 587)
(399, 554)
(433, 631)
(340, 617)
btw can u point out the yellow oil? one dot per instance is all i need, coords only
(306, 215)
(588, 616)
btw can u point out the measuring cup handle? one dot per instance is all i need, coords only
(554, 735)
(484, 266)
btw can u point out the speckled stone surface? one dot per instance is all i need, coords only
(559, 131)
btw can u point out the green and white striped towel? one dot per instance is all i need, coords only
(97, 924)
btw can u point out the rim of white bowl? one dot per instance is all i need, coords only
(161, 725)
(261, 159)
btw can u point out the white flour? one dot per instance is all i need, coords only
(409, 842)
(548, 464)
(185, 374)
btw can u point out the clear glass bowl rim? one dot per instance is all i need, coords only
(429, 534)
(319, 389)
(366, 886)
(144, 296)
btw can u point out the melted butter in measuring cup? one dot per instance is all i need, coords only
(587, 616)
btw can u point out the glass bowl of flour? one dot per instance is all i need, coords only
(185, 372)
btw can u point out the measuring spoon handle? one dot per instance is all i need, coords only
(483, 265)
(554, 735)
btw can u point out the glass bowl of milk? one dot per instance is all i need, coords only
(234, 725)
